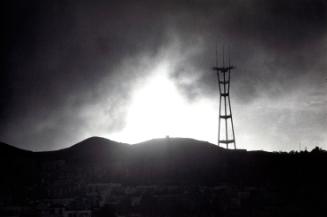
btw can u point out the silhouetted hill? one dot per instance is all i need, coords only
(173, 160)
(168, 160)
(277, 184)
(91, 150)
(5, 148)
(11, 151)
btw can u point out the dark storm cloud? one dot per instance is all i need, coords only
(279, 48)
(59, 53)
(64, 59)
(273, 42)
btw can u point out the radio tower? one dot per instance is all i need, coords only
(226, 134)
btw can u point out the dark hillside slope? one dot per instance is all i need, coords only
(169, 160)
(291, 184)
(94, 150)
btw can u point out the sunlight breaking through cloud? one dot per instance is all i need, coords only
(158, 109)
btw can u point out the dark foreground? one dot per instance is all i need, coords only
(164, 177)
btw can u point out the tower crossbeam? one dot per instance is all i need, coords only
(226, 136)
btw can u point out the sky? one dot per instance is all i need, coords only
(136, 70)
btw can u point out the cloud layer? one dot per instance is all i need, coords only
(68, 62)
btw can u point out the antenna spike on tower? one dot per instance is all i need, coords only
(216, 53)
(223, 55)
(229, 56)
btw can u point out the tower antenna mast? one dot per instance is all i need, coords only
(226, 135)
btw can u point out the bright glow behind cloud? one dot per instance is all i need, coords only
(157, 110)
